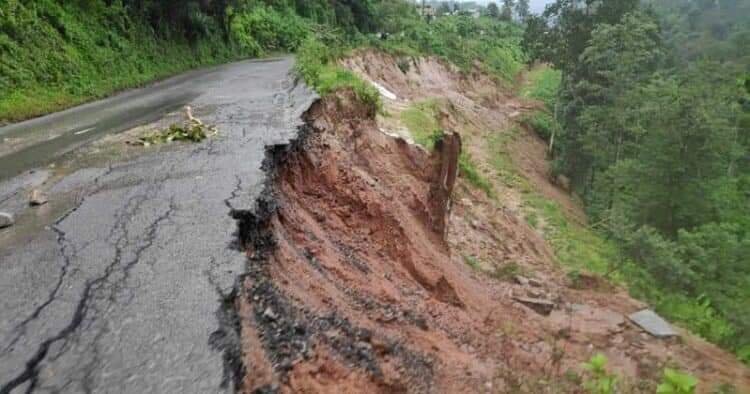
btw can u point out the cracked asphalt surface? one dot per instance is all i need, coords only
(124, 293)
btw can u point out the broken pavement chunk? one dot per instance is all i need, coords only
(540, 306)
(6, 220)
(653, 324)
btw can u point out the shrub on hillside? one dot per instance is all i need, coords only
(259, 29)
(316, 65)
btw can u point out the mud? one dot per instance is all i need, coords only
(358, 280)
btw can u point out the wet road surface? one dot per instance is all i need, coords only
(124, 291)
(38, 141)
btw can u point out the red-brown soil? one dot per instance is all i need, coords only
(358, 280)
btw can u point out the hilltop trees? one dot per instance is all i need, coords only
(492, 10)
(523, 9)
(507, 12)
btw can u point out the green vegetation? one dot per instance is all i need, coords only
(421, 119)
(576, 246)
(191, 132)
(507, 272)
(676, 382)
(500, 160)
(58, 54)
(472, 262)
(316, 64)
(468, 170)
(542, 84)
(487, 43)
(653, 133)
(600, 381)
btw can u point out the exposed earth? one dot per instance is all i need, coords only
(359, 275)
(353, 261)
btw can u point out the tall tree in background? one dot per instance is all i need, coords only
(444, 8)
(618, 57)
(523, 9)
(507, 12)
(492, 10)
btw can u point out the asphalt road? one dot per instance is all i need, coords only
(124, 292)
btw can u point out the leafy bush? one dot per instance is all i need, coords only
(543, 124)
(491, 45)
(316, 65)
(659, 257)
(58, 54)
(599, 380)
(263, 28)
(676, 382)
(543, 85)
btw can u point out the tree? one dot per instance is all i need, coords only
(444, 8)
(507, 12)
(617, 58)
(523, 10)
(492, 10)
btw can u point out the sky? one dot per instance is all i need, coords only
(537, 6)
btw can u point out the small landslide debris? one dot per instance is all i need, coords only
(538, 305)
(192, 130)
(37, 198)
(521, 280)
(653, 324)
(6, 220)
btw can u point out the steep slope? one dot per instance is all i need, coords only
(373, 269)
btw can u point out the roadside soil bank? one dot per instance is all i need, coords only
(373, 268)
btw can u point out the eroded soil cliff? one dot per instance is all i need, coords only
(359, 276)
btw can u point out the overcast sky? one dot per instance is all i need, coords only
(536, 5)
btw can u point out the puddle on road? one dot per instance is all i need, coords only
(41, 148)
(96, 154)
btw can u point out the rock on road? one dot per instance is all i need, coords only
(124, 293)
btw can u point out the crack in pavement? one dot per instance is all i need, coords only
(30, 373)
(20, 328)
(99, 301)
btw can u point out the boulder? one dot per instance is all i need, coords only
(538, 305)
(6, 220)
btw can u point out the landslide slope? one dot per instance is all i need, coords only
(374, 268)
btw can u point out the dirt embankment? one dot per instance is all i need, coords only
(359, 280)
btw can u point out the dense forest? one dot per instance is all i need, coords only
(654, 118)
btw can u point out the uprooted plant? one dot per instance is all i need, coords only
(192, 130)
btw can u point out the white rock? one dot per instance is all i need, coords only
(653, 324)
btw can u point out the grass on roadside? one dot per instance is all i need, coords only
(316, 64)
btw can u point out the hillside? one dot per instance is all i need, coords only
(384, 265)
(473, 202)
